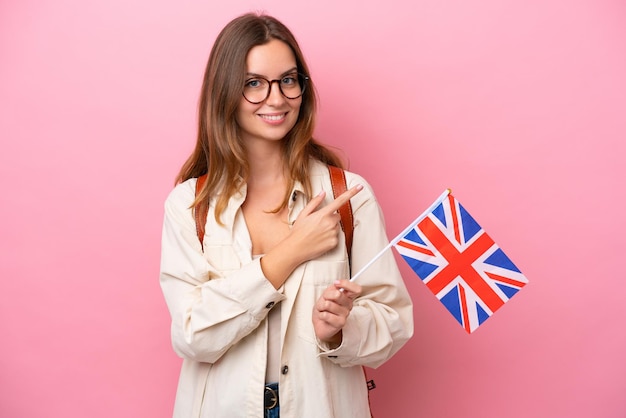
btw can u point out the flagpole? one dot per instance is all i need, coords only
(403, 233)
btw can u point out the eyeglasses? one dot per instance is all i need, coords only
(257, 89)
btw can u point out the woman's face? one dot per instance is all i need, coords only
(275, 116)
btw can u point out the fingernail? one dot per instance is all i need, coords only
(359, 186)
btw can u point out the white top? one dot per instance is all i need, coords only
(273, 342)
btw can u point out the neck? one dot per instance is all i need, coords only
(266, 165)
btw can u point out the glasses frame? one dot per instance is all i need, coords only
(302, 79)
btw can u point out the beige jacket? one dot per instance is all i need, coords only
(219, 301)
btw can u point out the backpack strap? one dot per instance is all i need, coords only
(339, 185)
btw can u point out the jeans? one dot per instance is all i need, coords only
(273, 413)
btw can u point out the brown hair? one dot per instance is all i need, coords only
(219, 151)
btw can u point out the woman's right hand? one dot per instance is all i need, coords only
(316, 230)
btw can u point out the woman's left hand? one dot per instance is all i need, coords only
(332, 309)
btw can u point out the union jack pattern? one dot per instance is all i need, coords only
(463, 267)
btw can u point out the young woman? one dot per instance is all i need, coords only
(263, 313)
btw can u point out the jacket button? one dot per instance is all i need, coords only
(293, 197)
(284, 370)
(270, 305)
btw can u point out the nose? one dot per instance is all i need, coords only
(275, 96)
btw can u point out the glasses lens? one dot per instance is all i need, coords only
(256, 90)
(292, 86)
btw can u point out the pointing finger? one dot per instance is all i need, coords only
(343, 198)
(314, 203)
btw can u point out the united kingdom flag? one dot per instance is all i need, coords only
(463, 267)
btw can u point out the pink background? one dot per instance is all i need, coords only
(518, 106)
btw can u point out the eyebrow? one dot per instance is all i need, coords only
(291, 71)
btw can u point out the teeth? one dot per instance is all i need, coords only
(273, 117)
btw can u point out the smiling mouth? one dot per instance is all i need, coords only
(273, 118)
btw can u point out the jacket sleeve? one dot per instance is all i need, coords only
(381, 320)
(210, 310)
